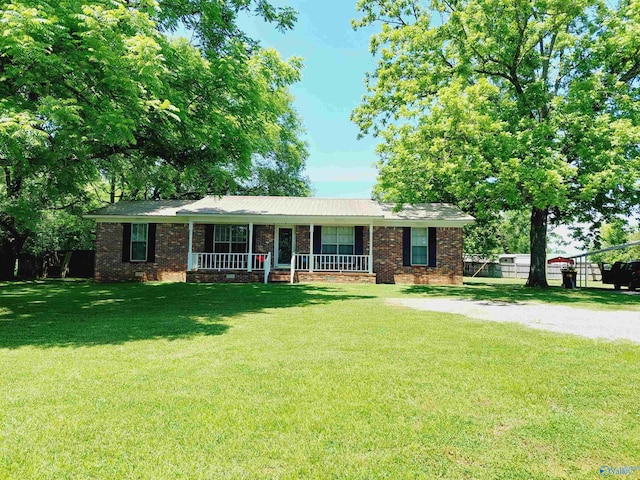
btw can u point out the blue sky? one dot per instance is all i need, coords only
(335, 61)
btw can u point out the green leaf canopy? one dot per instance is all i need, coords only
(500, 106)
(98, 101)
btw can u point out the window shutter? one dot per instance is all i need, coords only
(208, 238)
(317, 239)
(433, 244)
(126, 242)
(359, 246)
(406, 246)
(151, 243)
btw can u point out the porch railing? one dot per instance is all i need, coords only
(231, 261)
(331, 263)
(267, 267)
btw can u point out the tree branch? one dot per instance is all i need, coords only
(415, 12)
(64, 207)
(7, 177)
(389, 21)
(8, 223)
(632, 73)
(484, 71)
(547, 57)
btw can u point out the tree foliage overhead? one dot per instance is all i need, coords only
(501, 106)
(614, 234)
(97, 100)
(219, 141)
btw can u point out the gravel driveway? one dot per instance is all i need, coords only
(612, 325)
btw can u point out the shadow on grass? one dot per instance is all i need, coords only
(510, 293)
(59, 313)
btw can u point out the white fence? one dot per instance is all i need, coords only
(554, 271)
(331, 263)
(229, 261)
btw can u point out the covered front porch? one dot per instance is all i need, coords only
(298, 253)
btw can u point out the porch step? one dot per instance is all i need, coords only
(279, 276)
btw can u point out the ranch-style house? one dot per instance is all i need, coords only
(293, 239)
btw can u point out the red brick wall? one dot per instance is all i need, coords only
(302, 239)
(335, 277)
(198, 238)
(387, 258)
(172, 242)
(387, 253)
(265, 235)
(449, 254)
(172, 245)
(225, 277)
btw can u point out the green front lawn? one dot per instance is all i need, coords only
(305, 381)
(596, 297)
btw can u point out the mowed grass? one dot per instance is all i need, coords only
(190, 381)
(594, 297)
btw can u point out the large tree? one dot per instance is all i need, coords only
(507, 105)
(221, 143)
(96, 93)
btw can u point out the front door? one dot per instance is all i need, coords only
(284, 246)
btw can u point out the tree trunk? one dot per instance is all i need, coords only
(9, 250)
(538, 267)
(7, 265)
(112, 192)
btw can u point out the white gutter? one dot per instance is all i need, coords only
(282, 220)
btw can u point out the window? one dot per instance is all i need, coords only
(419, 246)
(338, 240)
(230, 238)
(139, 241)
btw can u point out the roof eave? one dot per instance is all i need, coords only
(279, 219)
(133, 218)
(425, 222)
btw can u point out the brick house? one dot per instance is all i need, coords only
(256, 239)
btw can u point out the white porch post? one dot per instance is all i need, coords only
(190, 257)
(311, 248)
(586, 271)
(371, 248)
(250, 262)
